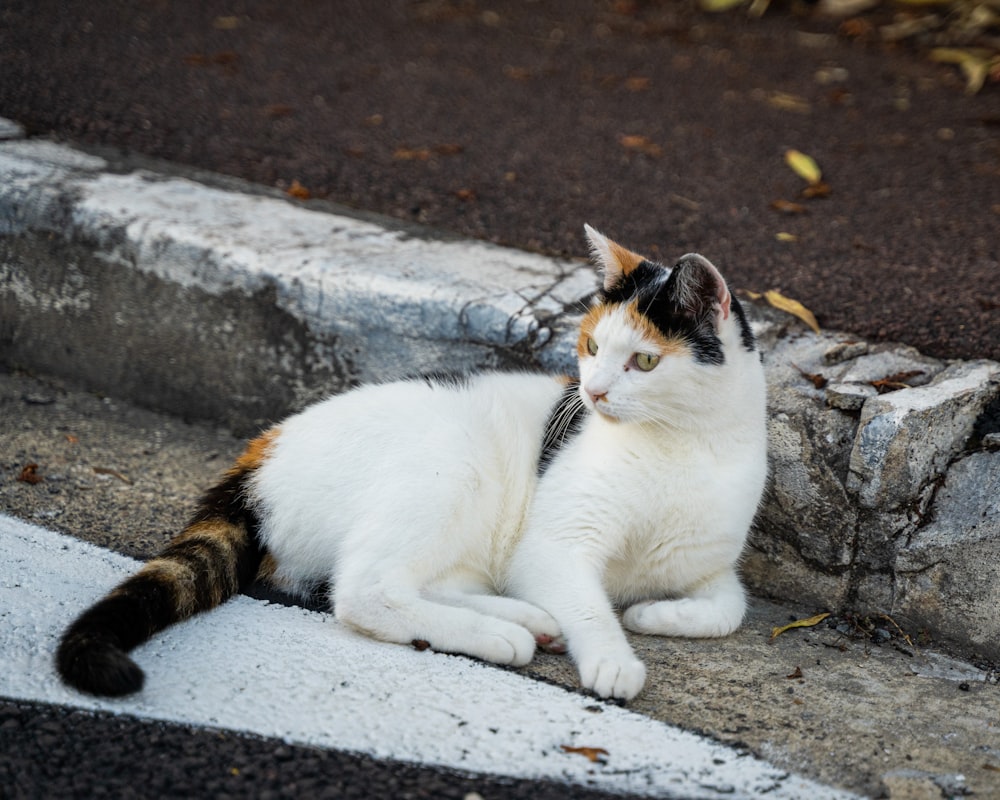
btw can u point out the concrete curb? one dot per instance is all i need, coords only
(239, 306)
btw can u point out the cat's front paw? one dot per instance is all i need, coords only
(609, 676)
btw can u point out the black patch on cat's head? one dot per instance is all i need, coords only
(679, 302)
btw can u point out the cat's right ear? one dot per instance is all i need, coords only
(614, 260)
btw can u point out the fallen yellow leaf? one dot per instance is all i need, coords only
(640, 144)
(789, 102)
(793, 307)
(799, 623)
(975, 63)
(719, 5)
(785, 236)
(804, 166)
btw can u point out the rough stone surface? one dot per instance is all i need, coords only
(161, 280)
(907, 438)
(218, 301)
(948, 570)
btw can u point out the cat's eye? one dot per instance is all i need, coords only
(591, 346)
(646, 361)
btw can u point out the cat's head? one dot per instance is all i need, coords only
(658, 341)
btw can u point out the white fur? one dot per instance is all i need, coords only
(421, 505)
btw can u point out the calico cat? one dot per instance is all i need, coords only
(489, 513)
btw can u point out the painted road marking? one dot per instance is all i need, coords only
(298, 675)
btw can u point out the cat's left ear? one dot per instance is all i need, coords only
(701, 289)
(614, 260)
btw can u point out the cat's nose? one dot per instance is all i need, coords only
(597, 396)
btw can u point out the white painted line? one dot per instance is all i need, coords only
(298, 675)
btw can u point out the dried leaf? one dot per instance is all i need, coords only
(596, 755)
(785, 236)
(719, 5)
(298, 191)
(411, 154)
(816, 379)
(113, 473)
(640, 144)
(29, 474)
(974, 63)
(902, 633)
(788, 207)
(637, 83)
(465, 195)
(893, 382)
(225, 58)
(799, 623)
(804, 166)
(793, 307)
(789, 102)
(277, 110)
(856, 27)
(818, 189)
(517, 73)
(226, 23)
(797, 673)
(424, 153)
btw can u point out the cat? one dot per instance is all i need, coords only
(491, 513)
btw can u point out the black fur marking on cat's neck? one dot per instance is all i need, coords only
(746, 332)
(565, 421)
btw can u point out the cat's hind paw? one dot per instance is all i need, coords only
(621, 677)
(696, 618)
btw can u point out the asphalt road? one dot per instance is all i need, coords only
(515, 122)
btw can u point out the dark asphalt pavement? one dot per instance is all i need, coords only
(517, 122)
(54, 753)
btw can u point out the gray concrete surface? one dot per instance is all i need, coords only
(893, 719)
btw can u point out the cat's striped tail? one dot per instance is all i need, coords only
(217, 555)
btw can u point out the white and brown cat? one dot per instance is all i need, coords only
(486, 513)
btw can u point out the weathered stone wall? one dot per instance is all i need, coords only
(884, 494)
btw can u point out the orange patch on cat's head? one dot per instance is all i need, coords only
(615, 261)
(665, 345)
(587, 325)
